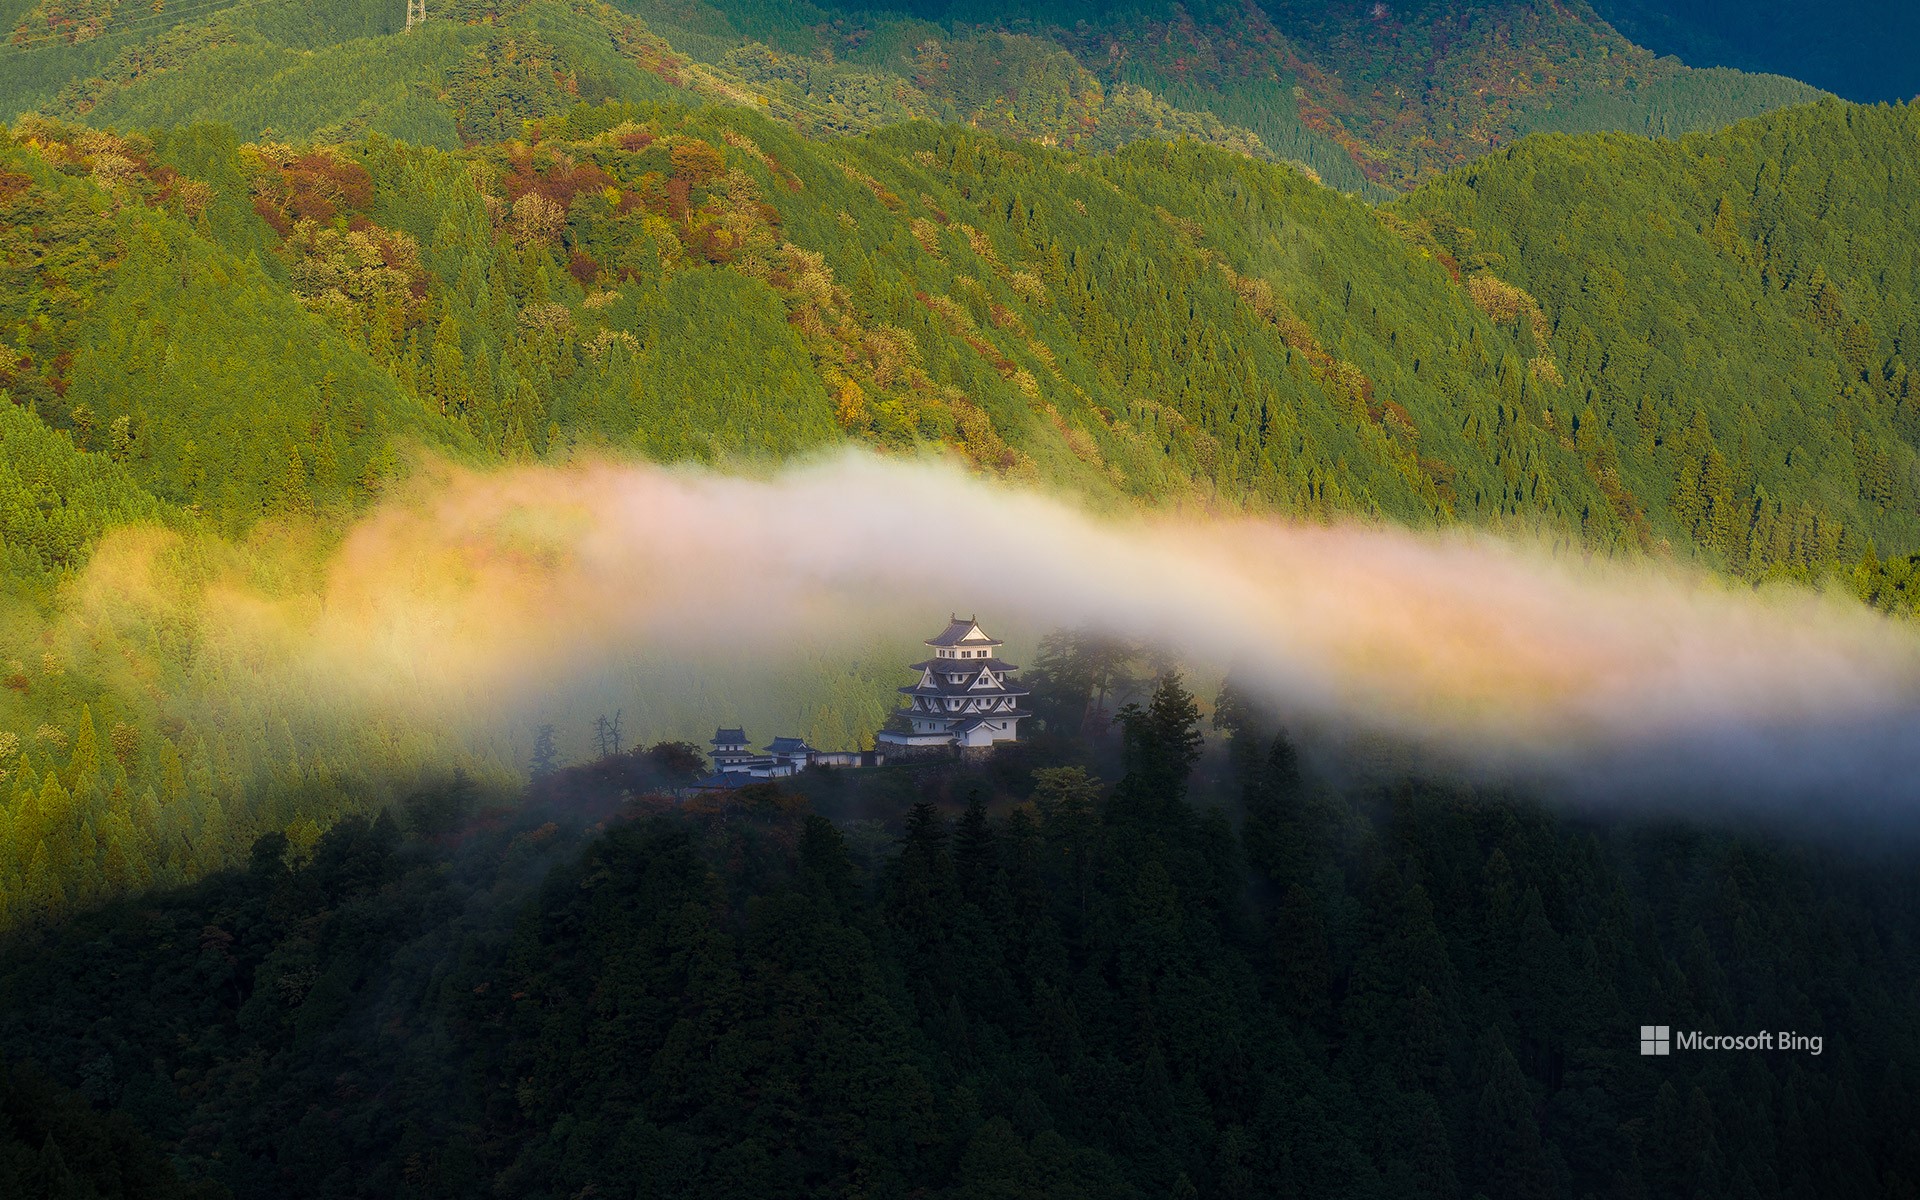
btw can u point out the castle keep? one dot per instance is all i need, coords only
(966, 696)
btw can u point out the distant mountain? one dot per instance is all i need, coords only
(1370, 96)
(1865, 50)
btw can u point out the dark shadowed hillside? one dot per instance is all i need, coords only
(1859, 49)
(1030, 983)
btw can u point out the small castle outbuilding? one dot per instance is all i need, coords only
(735, 763)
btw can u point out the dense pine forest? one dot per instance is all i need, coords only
(1026, 982)
(1438, 265)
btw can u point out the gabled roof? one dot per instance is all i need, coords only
(963, 721)
(789, 745)
(962, 632)
(940, 687)
(729, 737)
(977, 720)
(1002, 714)
(956, 665)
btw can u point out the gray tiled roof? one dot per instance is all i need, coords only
(955, 634)
(979, 719)
(942, 688)
(995, 714)
(965, 664)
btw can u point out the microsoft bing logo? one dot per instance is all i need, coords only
(1660, 1039)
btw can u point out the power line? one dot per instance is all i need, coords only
(55, 37)
(806, 105)
(59, 41)
(56, 40)
(416, 14)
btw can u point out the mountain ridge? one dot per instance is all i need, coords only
(1366, 102)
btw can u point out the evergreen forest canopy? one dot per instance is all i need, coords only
(1207, 978)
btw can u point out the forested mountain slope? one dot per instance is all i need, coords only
(1693, 348)
(1072, 990)
(1749, 277)
(1367, 95)
(529, 233)
(1513, 343)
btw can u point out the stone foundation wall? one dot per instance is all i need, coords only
(896, 753)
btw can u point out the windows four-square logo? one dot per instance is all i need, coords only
(1654, 1039)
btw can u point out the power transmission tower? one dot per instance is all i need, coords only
(416, 13)
(607, 733)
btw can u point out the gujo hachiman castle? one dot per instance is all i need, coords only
(965, 703)
(966, 696)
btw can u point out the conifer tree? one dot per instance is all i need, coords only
(1162, 742)
(975, 850)
(1507, 1156)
